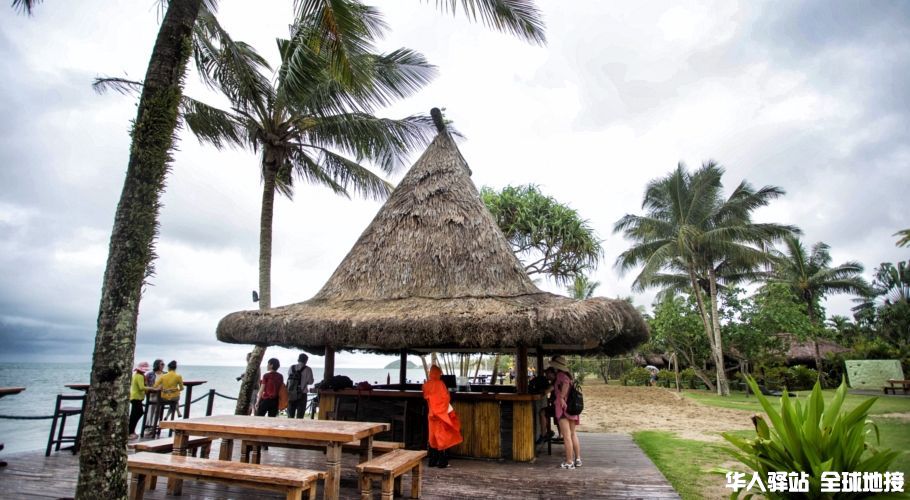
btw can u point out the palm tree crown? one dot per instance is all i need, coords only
(810, 275)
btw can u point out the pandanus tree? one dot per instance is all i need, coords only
(810, 277)
(691, 231)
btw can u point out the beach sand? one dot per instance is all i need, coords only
(615, 408)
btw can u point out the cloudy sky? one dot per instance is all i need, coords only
(809, 96)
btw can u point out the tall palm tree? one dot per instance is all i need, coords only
(689, 229)
(811, 277)
(309, 131)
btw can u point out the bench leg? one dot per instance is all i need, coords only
(366, 449)
(366, 485)
(416, 477)
(312, 490)
(206, 450)
(387, 486)
(153, 482)
(137, 486)
(398, 486)
(227, 449)
(244, 452)
(295, 494)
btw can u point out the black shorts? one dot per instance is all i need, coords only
(550, 411)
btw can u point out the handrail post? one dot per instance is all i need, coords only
(210, 404)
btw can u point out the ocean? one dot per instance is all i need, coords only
(43, 381)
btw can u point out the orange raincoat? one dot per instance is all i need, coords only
(445, 429)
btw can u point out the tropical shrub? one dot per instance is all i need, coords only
(635, 376)
(688, 379)
(813, 439)
(667, 378)
(801, 377)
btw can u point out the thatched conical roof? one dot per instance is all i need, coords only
(434, 272)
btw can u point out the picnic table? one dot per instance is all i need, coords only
(895, 384)
(329, 433)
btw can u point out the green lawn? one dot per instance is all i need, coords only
(686, 463)
(740, 401)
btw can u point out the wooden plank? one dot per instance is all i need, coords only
(395, 462)
(166, 445)
(522, 431)
(242, 426)
(465, 412)
(161, 464)
(485, 435)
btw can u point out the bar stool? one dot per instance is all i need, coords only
(154, 414)
(56, 437)
(398, 422)
(346, 408)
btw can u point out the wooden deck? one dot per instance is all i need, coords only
(614, 467)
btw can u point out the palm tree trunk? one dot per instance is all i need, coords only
(818, 355)
(708, 323)
(265, 282)
(723, 387)
(102, 458)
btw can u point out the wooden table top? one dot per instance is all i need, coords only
(9, 391)
(291, 428)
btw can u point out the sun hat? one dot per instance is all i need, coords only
(559, 363)
(142, 367)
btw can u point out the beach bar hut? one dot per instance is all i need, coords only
(433, 272)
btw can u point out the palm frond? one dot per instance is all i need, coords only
(229, 66)
(212, 125)
(25, 6)
(122, 86)
(517, 17)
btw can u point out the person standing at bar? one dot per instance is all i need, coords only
(566, 422)
(300, 376)
(444, 427)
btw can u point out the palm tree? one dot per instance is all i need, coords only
(102, 458)
(308, 131)
(811, 277)
(582, 287)
(690, 230)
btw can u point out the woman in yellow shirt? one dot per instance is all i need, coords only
(170, 384)
(137, 395)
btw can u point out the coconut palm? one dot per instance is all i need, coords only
(690, 230)
(582, 287)
(810, 277)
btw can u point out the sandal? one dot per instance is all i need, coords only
(567, 465)
(577, 462)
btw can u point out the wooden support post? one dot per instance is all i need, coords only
(329, 370)
(539, 361)
(521, 367)
(403, 369)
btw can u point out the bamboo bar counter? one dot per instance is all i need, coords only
(495, 425)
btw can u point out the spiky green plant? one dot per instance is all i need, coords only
(811, 438)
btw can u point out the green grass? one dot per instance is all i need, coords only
(684, 462)
(739, 401)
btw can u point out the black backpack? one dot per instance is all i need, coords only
(575, 401)
(294, 383)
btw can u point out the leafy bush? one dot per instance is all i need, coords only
(776, 377)
(666, 378)
(813, 439)
(635, 376)
(801, 377)
(688, 379)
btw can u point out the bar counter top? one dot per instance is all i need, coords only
(456, 396)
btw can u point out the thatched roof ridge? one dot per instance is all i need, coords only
(803, 351)
(433, 271)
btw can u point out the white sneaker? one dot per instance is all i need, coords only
(567, 465)
(577, 462)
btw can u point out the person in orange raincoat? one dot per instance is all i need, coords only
(445, 429)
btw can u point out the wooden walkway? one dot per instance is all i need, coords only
(614, 467)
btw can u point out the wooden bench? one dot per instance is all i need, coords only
(389, 468)
(292, 481)
(166, 445)
(250, 450)
(894, 385)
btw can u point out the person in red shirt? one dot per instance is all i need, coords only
(269, 387)
(444, 427)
